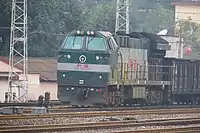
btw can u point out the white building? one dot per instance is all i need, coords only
(42, 77)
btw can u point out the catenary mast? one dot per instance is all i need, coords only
(122, 16)
(18, 52)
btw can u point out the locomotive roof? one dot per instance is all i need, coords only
(105, 33)
(155, 37)
(152, 37)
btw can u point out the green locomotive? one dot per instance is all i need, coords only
(83, 67)
(95, 67)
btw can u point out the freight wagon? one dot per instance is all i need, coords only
(185, 81)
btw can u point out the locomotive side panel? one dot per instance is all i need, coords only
(134, 63)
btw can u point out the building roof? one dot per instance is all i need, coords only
(46, 67)
(186, 2)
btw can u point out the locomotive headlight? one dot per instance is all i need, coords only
(92, 32)
(88, 32)
(68, 56)
(64, 75)
(97, 57)
(82, 32)
(78, 32)
(106, 58)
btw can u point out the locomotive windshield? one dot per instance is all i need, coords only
(93, 42)
(96, 43)
(74, 42)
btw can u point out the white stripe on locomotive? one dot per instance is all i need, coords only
(90, 67)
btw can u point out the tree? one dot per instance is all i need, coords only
(153, 20)
(190, 32)
(102, 17)
(49, 22)
(5, 12)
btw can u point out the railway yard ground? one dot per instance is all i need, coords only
(88, 120)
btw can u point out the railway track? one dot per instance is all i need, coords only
(102, 113)
(105, 125)
(56, 109)
(188, 129)
(68, 108)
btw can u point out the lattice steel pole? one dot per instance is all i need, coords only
(18, 51)
(122, 16)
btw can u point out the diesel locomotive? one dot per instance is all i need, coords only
(83, 67)
(99, 68)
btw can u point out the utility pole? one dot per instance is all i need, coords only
(122, 16)
(180, 45)
(18, 51)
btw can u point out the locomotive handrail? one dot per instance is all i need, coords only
(147, 74)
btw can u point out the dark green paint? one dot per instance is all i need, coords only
(91, 57)
(87, 76)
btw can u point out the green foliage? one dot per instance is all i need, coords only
(50, 20)
(5, 12)
(190, 32)
(154, 20)
(101, 17)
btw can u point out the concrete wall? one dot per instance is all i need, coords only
(33, 79)
(187, 11)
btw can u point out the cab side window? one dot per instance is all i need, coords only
(110, 45)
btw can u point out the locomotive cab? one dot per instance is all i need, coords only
(83, 67)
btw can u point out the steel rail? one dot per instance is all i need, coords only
(68, 109)
(101, 113)
(65, 109)
(98, 113)
(96, 125)
(188, 129)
